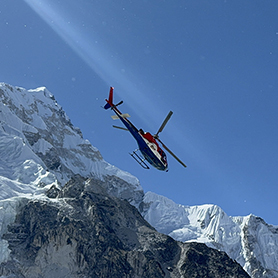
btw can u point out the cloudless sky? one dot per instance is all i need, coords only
(213, 63)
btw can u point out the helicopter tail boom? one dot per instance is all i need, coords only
(109, 101)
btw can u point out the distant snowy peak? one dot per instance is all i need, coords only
(248, 240)
(37, 133)
(178, 220)
(162, 213)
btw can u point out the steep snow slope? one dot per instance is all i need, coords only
(248, 240)
(38, 137)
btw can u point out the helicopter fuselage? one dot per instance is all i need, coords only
(147, 144)
(153, 154)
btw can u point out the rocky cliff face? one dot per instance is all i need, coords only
(85, 232)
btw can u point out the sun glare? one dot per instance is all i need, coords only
(91, 49)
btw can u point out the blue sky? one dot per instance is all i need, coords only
(213, 63)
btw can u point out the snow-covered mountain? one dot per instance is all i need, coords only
(39, 145)
(41, 151)
(248, 240)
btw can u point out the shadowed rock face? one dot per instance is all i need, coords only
(202, 261)
(84, 232)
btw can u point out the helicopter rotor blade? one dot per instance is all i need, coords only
(119, 127)
(171, 153)
(164, 123)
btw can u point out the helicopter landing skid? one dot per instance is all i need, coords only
(139, 159)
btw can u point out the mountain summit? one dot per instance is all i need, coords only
(65, 212)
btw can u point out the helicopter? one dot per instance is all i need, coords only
(147, 143)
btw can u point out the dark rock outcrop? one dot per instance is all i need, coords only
(85, 232)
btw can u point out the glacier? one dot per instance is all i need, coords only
(41, 150)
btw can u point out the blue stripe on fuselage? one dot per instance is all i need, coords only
(143, 147)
